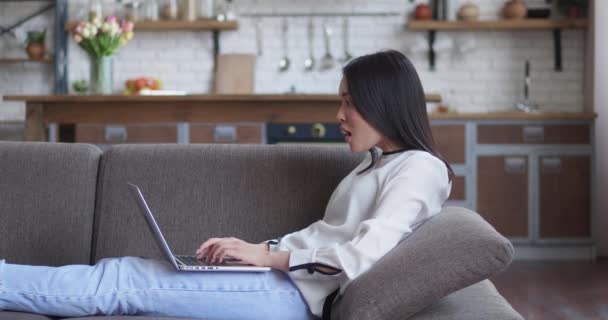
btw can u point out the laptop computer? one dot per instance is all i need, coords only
(185, 262)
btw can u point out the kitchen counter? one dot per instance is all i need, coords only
(209, 108)
(190, 98)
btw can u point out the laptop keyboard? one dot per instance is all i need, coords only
(191, 261)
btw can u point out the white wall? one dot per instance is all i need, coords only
(488, 78)
(600, 99)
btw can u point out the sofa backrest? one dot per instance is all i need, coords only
(201, 191)
(47, 201)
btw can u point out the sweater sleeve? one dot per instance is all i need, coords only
(402, 204)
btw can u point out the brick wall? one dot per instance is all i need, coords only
(487, 77)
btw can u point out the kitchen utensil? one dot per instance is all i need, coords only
(327, 62)
(526, 105)
(284, 63)
(347, 56)
(309, 63)
(235, 74)
(258, 36)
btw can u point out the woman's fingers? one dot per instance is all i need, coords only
(215, 249)
(213, 253)
(205, 246)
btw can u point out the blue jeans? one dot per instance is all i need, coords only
(136, 286)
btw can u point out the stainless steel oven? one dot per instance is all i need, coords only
(304, 133)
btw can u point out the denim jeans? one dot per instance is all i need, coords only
(137, 286)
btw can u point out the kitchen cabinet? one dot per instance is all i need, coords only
(233, 133)
(130, 133)
(450, 140)
(458, 191)
(565, 196)
(534, 180)
(534, 134)
(502, 193)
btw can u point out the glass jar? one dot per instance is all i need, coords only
(132, 11)
(205, 9)
(228, 12)
(151, 10)
(188, 10)
(169, 10)
(95, 11)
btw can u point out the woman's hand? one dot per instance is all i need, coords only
(215, 250)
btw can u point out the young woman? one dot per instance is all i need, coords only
(401, 183)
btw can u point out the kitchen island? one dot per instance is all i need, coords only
(62, 110)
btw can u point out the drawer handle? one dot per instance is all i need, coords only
(225, 134)
(115, 134)
(551, 165)
(534, 134)
(515, 165)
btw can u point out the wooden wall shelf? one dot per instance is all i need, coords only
(555, 25)
(423, 25)
(11, 60)
(212, 25)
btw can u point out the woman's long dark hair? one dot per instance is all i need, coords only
(386, 91)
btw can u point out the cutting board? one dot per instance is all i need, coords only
(235, 74)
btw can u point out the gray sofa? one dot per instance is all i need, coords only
(69, 204)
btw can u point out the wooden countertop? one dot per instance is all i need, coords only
(432, 97)
(515, 116)
(242, 107)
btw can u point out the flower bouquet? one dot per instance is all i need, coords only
(101, 40)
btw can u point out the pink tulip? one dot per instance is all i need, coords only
(111, 19)
(126, 26)
(79, 27)
(77, 37)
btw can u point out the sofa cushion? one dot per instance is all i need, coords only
(47, 201)
(127, 318)
(200, 191)
(451, 251)
(9, 315)
(480, 301)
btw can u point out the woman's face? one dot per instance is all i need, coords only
(358, 133)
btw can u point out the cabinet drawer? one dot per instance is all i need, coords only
(131, 133)
(451, 142)
(565, 197)
(233, 133)
(502, 193)
(534, 134)
(458, 191)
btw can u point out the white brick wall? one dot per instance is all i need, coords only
(486, 78)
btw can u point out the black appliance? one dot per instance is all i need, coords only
(306, 133)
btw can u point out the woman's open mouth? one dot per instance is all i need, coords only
(347, 134)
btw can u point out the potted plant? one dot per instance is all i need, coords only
(36, 48)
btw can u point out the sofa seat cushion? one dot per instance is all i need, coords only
(480, 301)
(127, 318)
(448, 252)
(10, 315)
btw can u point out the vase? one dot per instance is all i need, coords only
(100, 75)
(515, 9)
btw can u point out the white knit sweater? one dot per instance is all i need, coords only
(367, 215)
